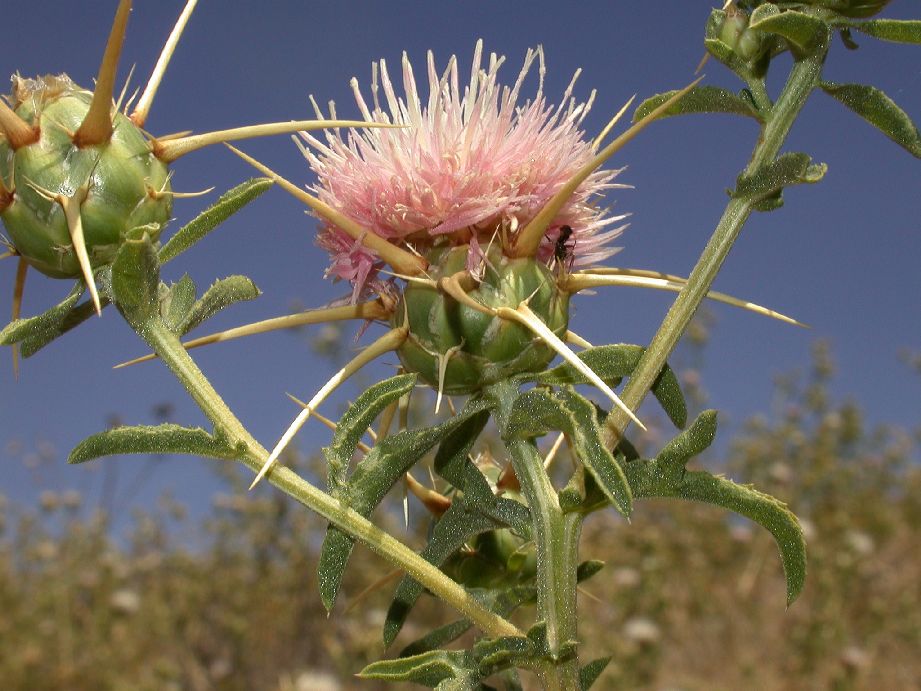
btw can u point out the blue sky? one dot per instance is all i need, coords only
(841, 256)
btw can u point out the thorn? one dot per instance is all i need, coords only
(524, 315)
(169, 150)
(139, 116)
(387, 417)
(607, 128)
(453, 285)
(22, 269)
(576, 339)
(18, 132)
(508, 480)
(660, 281)
(377, 585)
(121, 96)
(406, 501)
(443, 360)
(392, 340)
(402, 261)
(436, 503)
(160, 194)
(326, 422)
(364, 310)
(553, 450)
(97, 125)
(71, 206)
(418, 280)
(528, 240)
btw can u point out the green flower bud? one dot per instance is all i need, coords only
(734, 24)
(126, 186)
(494, 558)
(480, 348)
(745, 42)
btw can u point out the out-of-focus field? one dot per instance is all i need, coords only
(690, 597)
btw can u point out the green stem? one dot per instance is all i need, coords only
(169, 348)
(804, 76)
(556, 537)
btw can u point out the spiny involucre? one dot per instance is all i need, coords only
(77, 175)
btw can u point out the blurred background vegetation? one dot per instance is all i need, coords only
(690, 598)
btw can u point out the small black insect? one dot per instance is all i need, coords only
(562, 251)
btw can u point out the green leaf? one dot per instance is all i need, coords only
(589, 674)
(616, 361)
(229, 203)
(429, 669)
(767, 184)
(388, 460)
(537, 411)
(136, 278)
(502, 602)
(665, 476)
(765, 510)
(700, 99)
(144, 439)
(879, 110)
(468, 516)
(175, 307)
(221, 294)
(46, 326)
(694, 440)
(895, 30)
(355, 423)
(804, 32)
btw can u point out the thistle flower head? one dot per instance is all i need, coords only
(473, 165)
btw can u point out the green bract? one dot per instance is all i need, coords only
(480, 349)
(126, 186)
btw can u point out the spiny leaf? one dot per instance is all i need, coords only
(502, 602)
(45, 325)
(221, 294)
(356, 421)
(895, 30)
(229, 203)
(786, 170)
(537, 411)
(429, 669)
(589, 674)
(616, 361)
(700, 99)
(136, 277)
(468, 516)
(176, 305)
(802, 31)
(145, 439)
(372, 479)
(675, 455)
(648, 481)
(879, 110)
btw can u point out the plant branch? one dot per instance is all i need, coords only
(168, 346)
(804, 76)
(556, 536)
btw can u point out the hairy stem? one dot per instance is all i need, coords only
(168, 346)
(804, 76)
(556, 536)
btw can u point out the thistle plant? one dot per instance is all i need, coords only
(466, 220)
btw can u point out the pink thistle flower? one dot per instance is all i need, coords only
(471, 166)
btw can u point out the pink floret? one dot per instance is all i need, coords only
(470, 162)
